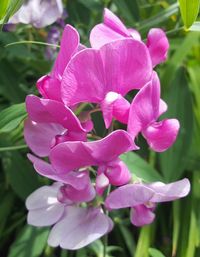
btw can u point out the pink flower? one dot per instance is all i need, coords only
(105, 75)
(102, 153)
(112, 29)
(49, 85)
(74, 227)
(145, 109)
(50, 122)
(142, 198)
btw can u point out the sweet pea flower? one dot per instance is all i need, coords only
(74, 226)
(142, 198)
(113, 28)
(38, 13)
(145, 109)
(49, 85)
(106, 75)
(101, 153)
(51, 122)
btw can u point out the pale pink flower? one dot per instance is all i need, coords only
(142, 198)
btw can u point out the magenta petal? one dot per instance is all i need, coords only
(119, 66)
(169, 192)
(162, 107)
(79, 227)
(158, 45)
(141, 215)
(119, 174)
(161, 135)
(68, 47)
(128, 196)
(102, 182)
(73, 155)
(145, 107)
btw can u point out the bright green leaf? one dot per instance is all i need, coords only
(3, 7)
(189, 11)
(155, 253)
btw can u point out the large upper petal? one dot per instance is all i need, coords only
(128, 196)
(145, 107)
(158, 45)
(119, 66)
(73, 155)
(161, 135)
(79, 227)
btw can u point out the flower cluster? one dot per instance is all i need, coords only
(89, 177)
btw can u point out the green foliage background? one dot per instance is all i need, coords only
(176, 231)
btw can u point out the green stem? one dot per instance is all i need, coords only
(13, 148)
(31, 42)
(105, 239)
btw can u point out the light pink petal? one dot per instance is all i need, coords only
(162, 107)
(119, 174)
(161, 135)
(46, 110)
(114, 105)
(79, 227)
(145, 107)
(102, 182)
(169, 192)
(111, 29)
(158, 45)
(141, 215)
(73, 155)
(78, 180)
(128, 196)
(119, 66)
(68, 47)
(39, 136)
(134, 34)
(49, 87)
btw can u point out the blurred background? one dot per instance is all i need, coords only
(25, 57)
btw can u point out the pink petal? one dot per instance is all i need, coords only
(78, 180)
(39, 136)
(158, 45)
(128, 196)
(119, 66)
(141, 215)
(134, 34)
(79, 227)
(145, 107)
(162, 107)
(169, 192)
(102, 182)
(73, 155)
(114, 105)
(161, 135)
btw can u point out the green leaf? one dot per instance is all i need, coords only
(140, 167)
(11, 117)
(3, 7)
(179, 99)
(189, 11)
(155, 253)
(30, 243)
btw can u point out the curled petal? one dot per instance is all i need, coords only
(158, 45)
(102, 183)
(141, 215)
(162, 107)
(128, 196)
(145, 107)
(79, 227)
(161, 135)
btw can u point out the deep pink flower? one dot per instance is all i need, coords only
(142, 198)
(102, 153)
(49, 85)
(74, 227)
(112, 29)
(105, 75)
(145, 109)
(50, 122)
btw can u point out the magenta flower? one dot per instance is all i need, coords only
(70, 156)
(38, 13)
(49, 85)
(74, 227)
(142, 198)
(145, 109)
(104, 76)
(49, 123)
(113, 28)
